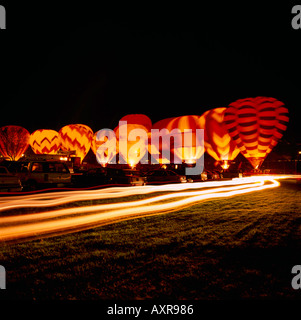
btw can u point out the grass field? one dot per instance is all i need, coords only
(242, 247)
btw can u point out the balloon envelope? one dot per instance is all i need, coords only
(256, 125)
(191, 148)
(105, 148)
(133, 151)
(45, 141)
(218, 142)
(138, 118)
(130, 149)
(76, 137)
(159, 142)
(14, 141)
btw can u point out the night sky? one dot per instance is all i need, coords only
(92, 64)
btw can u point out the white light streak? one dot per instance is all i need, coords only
(58, 221)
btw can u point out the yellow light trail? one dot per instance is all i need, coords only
(58, 198)
(58, 221)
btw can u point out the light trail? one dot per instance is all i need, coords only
(63, 197)
(104, 207)
(58, 221)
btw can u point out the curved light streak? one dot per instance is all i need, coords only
(110, 206)
(63, 197)
(65, 220)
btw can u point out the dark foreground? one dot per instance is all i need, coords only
(237, 248)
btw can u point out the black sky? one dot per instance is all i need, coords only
(92, 65)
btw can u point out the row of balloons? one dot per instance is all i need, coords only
(252, 126)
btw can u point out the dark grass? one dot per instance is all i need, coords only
(238, 248)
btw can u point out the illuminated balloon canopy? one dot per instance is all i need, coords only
(159, 142)
(45, 141)
(131, 150)
(138, 118)
(256, 125)
(76, 137)
(14, 141)
(187, 147)
(217, 140)
(132, 137)
(104, 146)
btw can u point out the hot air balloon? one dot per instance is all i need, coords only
(131, 127)
(14, 140)
(217, 140)
(104, 145)
(45, 141)
(159, 142)
(131, 150)
(192, 147)
(137, 118)
(256, 125)
(76, 137)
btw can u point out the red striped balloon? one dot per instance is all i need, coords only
(256, 125)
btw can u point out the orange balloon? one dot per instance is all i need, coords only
(14, 141)
(76, 137)
(134, 150)
(156, 149)
(44, 141)
(104, 156)
(218, 142)
(191, 149)
(256, 125)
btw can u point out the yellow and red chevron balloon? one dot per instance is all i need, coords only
(217, 140)
(45, 141)
(256, 125)
(76, 137)
(14, 141)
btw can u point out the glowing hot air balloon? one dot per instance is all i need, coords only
(138, 118)
(131, 150)
(217, 140)
(132, 134)
(45, 141)
(192, 146)
(256, 125)
(159, 142)
(14, 140)
(104, 145)
(76, 137)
